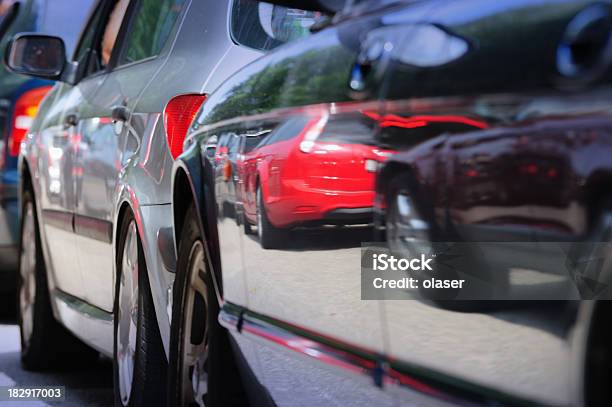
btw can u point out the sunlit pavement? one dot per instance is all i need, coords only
(84, 387)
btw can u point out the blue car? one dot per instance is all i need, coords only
(19, 99)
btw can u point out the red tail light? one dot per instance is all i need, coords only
(178, 115)
(24, 112)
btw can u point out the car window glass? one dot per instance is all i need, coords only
(222, 141)
(111, 31)
(286, 131)
(151, 28)
(343, 131)
(250, 143)
(233, 145)
(96, 46)
(87, 39)
(7, 13)
(265, 26)
(211, 146)
(5, 6)
(52, 17)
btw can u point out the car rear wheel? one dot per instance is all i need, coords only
(202, 368)
(44, 342)
(270, 236)
(139, 359)
(409, 234)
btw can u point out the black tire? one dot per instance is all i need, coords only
(270, 237)
(150, 366)
(224, 385)
(50, 345)
(239, 215)
(248, 229)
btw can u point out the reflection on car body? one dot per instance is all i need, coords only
(429, 121)
(209, 230)
(310, 170)
(97, 258)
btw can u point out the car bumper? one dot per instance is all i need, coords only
(306, 206)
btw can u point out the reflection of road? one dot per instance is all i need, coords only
(520, 351)
(315, 283)
(92, 386)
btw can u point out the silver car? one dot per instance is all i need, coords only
(97, 253)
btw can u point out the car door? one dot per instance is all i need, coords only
(91, 143)
(62, 140)
(479, 162)
(114, 130)
(316, 341)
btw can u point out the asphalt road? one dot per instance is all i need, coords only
(91, 386)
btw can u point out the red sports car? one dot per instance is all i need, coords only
(310, 170)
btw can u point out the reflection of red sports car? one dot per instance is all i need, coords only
(304, 172)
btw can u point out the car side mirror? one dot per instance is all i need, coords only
(41, 56)
(324, 6)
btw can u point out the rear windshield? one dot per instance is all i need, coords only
(265, 26)
(250, 143)
(356, 131)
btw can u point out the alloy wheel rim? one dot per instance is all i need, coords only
(27, 270)
(408, 231)
(194, 367)
(128, 314)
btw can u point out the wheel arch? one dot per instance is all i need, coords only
(26, 180)
(25, 175)
(191, 186)
(182, 197)
(124, 208)
(385, 175)
(152, 235)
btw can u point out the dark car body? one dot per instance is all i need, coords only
(19, 97)
(488, 111)
(522, 186)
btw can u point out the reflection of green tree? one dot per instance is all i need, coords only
(151, 28)
(314, 82)
(512, 49)
(315, 76)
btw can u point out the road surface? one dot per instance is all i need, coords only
(84, 387)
